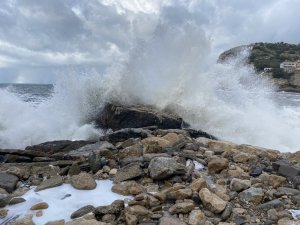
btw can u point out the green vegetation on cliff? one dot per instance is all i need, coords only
(270, 55)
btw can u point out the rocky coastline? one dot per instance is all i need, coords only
(172, 175)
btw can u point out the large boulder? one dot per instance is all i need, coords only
(163, 167)
(83, 181)
(117, 116)
(8, 182)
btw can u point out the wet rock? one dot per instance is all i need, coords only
(83, 181)
(163, 167)
(8, 181)
(170, 221)
(82, 211)
(127, 188)
(4, 199)
(182, 207)
(16, 200)
(239, 185)
(286, 191)
(253, 195)
(40, 206)
(211, 201)
(276, 203)
(128, 172)
(216, 165)
(116, 116)
(50, 183)
(26, 220)
(196, 217)
(17, 159)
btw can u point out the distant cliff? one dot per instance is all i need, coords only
(266, 59)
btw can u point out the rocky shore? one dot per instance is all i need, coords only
(171, 174)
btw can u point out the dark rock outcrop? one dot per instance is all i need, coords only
(116, 117)
(8, 182)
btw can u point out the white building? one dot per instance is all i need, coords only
(288, 66)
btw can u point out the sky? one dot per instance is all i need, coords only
(42, 40)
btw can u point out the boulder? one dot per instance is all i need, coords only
(253, 195)
(50, 183)
(128, 172)
(115, 116)
(83, 181)
(211, 201)
(163, 167)
(8, 181)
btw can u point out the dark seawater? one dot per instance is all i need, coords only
(33, 93)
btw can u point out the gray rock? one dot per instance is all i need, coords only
(50, 183)
(82, 211)
(276, 203)
(227, 211)
(115, 208)
(285, 168)
(8, 182)
(16, 200)
(252, 194)
(163, 167)
(286, 191)
(128, 172)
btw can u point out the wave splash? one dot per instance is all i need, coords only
(174, 67)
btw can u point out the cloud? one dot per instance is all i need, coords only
(51, 36)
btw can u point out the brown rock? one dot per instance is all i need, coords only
(171, 221)
(154, 144)
(196, 217)
(83, 221)
(180, 194)
(130, 219)
(56, 222)
(27, 220)
(254, 195)
(211, 201)
(241, 157)
(198, 184)
(239, 185)
(83, 181)
(272, 180)
(128, 172)
(216, 165)
(139, 211)
(127, 188)
(40, 206)
(183, 207)
(3, 213)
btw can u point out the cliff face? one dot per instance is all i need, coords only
(267, 57)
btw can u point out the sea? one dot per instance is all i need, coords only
(35, 113)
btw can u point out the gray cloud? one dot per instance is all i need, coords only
(40, 38)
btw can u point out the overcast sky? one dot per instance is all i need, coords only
(41, 40)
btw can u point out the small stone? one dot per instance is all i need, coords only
(180, 194)
(216, 165)
(39, 213)
(196, 217)
(50, 183)
(113, 172)
(252, 194)
(3, 213)
(211, 201)
(239, 185)
(83, 181)
(183, 207)
(40, 206)
(82, 211)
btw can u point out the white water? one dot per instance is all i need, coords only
(173, 66)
